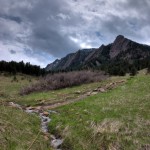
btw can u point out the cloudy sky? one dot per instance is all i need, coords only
(39, 31)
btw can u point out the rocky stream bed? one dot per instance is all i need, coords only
(55, 143)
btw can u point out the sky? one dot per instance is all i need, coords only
(40, 31)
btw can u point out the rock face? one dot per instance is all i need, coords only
(71, 60)
(121, 48)
(53, 65)
(120, 44)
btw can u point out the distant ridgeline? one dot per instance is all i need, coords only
(21, 67)
(118, 58)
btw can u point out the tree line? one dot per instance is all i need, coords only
(21, 67)
(121, 67)
(115, 67)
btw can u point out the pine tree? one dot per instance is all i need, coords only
(148, 69)
(133, 71)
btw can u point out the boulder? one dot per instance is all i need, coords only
(45, 113)
(102, 90)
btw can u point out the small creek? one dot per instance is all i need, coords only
(45, 119)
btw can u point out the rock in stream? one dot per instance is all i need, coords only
(44, 116)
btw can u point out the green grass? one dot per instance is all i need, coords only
(19, 130)
(9, 91)
(9, 88)
(118, 119)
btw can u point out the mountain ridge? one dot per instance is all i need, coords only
(122, 49)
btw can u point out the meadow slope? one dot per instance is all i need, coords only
(114, 119)
(118, 119)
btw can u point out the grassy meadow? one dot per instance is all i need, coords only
(10, 90)
(20, 131)
(114, 120)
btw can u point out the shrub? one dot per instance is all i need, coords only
(133, 71)
(148, 69)
(14, 79)
(63, 80)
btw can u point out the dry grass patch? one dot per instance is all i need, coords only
(106, 126)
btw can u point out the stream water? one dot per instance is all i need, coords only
(45, 119)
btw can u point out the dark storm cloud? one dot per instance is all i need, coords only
(55, 27)
(45, 20)
(13, 18)
(53, 42)
(130, 18)
(12, 51)
(135, 21)
(47, 28)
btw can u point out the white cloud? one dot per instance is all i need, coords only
(84, 45)
(54, 28)
(81, 43)
(20, 54)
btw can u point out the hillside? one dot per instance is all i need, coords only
(121, 51)
(111, 114)
(113, 120)
(18, 130)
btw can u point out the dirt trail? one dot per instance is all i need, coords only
(44, 115)
(100, 89)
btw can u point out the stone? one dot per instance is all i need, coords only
(45, 120)
(95, 90)
(121, 81)
(30, 108)
(12, 104)
(89, 93)
(94, 93)
(38, 108)
(101, 89)
(78, 92)
(45, 113)
(46, 138)
(56, 143)
(52, 137)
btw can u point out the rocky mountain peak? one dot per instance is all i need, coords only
(120, 44)
(122, 49)
(119, 37)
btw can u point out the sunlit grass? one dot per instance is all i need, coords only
(9, 90)
(118, 119)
